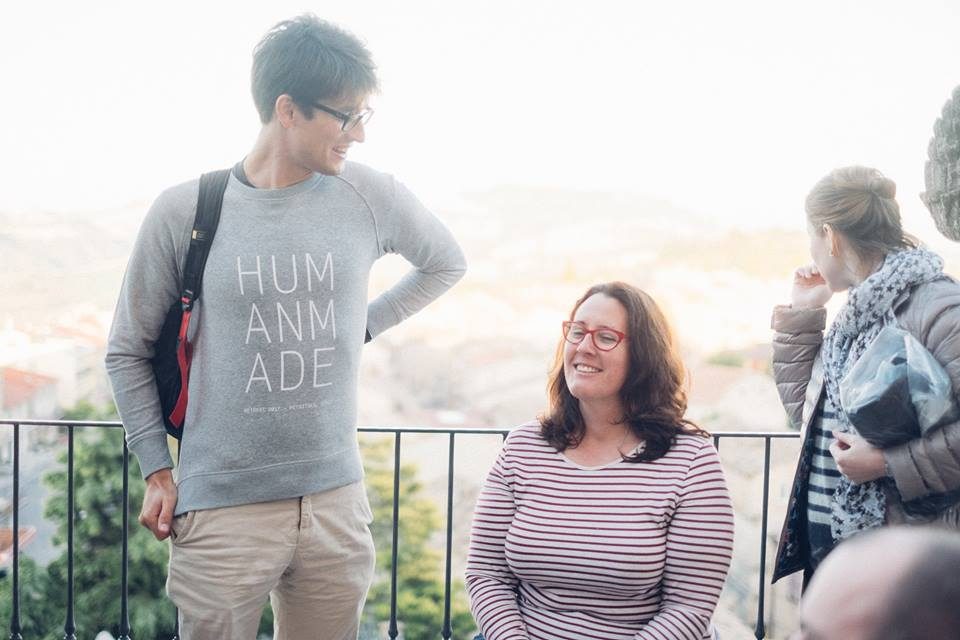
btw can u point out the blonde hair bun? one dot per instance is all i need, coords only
(882, 186)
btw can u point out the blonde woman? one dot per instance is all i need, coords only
(843, 484)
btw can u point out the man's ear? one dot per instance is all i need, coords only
(285, 111)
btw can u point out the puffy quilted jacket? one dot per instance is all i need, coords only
(921, 467)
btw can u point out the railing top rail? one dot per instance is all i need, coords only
(62, 423)
(755, 434)
(441, 430)
(385, 429)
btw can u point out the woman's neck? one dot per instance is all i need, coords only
(863, 269)
(603, 420)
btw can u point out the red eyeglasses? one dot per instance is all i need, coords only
(604, 338)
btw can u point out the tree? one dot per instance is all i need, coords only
(98, 533)
(420, 588)
(85, 410)
(97, 547)
(36, 610)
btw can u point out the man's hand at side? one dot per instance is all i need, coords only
(159, 501)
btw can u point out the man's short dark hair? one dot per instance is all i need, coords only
(925, 602)
(310, 60)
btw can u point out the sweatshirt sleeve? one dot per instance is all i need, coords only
(150, 286)
(699, 550)
(491, 585)
(406, 227)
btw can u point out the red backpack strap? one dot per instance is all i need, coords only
(209, 203)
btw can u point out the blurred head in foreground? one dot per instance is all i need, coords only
(894, 583)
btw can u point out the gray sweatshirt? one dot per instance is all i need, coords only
(278, 330)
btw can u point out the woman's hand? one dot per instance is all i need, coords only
(810, 290)
(858, 460)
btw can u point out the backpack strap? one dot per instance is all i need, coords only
(209, 203)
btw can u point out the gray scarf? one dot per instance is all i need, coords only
(868, 309)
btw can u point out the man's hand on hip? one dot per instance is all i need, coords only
(159, 501)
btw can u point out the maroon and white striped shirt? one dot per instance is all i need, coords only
(625, 551)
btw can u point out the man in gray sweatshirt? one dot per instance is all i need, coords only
(269, 496)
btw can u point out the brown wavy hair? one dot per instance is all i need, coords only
(653, 393)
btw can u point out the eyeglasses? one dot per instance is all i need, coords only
(604, 339)
(347, 120)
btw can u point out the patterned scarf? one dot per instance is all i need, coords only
(869, 307)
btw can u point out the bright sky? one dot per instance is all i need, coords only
(733, 109)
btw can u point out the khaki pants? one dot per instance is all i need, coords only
(313, 555)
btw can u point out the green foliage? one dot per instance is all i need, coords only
(420, 565)
(84, 410)
(98, 529)
(98, 486)
(726, 359)
(37, 612)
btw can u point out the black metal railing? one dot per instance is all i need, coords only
(393, 630)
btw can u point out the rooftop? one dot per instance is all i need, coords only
(18, 386)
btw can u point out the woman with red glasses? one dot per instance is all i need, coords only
(609, 517)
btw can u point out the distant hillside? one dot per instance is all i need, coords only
(762, 254)
(52, 261)
(521, 237)
(547, 208)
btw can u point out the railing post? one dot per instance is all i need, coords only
(446, 633)
(760, 630)
(15, 594)
(70, 628)
(124, 614)
(393, 631)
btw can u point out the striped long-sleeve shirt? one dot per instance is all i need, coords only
(624, 551)
(822, 482)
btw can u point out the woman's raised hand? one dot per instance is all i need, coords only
(810, 290)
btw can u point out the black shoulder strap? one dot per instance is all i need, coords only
(209, 202)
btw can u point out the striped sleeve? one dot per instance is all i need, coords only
(491, 585)
(699, 549)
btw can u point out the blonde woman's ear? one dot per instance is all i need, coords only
(832, 239)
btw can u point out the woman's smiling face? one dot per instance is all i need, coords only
(591, 373)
